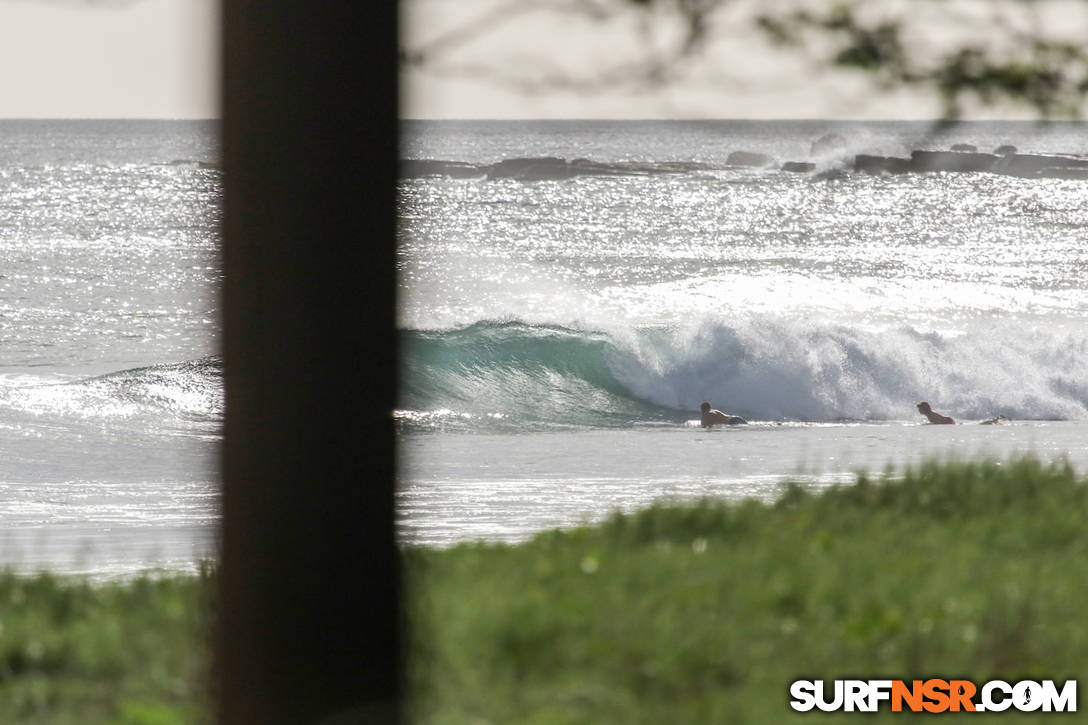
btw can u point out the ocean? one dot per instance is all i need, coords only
(111, 398)
(562, 317)
(559, 323)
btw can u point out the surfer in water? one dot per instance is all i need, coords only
(937, 418)
(713, 417)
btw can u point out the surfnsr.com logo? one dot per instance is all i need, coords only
(933, 695)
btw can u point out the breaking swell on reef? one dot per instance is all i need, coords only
(497, 375)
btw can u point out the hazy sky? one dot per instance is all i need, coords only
(159, 59)
(109, 59)
(507, 68)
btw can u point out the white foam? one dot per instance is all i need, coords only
(769, 367)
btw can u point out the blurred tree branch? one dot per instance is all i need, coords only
(689, 19)
(967, 53)
(1009, 59)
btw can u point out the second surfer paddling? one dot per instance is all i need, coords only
(939, 419)
(933, 417)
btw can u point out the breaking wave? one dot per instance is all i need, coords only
(513, 375)
(183, 393)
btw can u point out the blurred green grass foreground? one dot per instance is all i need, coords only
(706, 613)
(682, 613)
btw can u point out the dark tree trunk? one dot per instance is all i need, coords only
(308, 614)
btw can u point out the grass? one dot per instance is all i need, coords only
(705, 612)
(682, 613)
(133, 653)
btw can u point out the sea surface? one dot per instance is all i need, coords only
(558, 336)
(111, 397)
